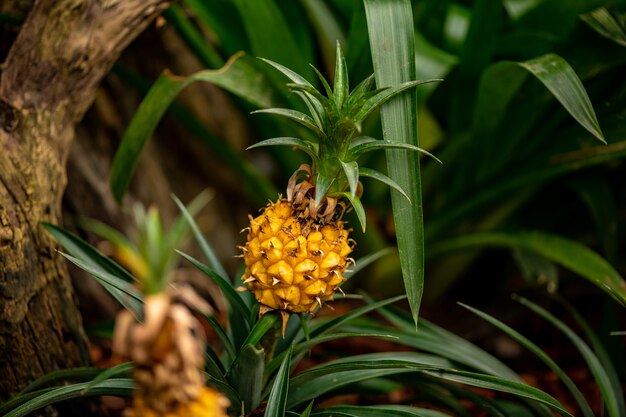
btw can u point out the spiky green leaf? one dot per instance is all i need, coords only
(341, 88)
(385, 95)
(351, 169)
(296, 116)
(327, 88)
(322, 185)
(371, 173)
(358, 209)
(308, 147)
(358, 148)
(84, 251)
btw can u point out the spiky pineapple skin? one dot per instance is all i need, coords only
(294, 261)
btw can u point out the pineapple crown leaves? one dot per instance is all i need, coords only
(149, 255)
(335, 120)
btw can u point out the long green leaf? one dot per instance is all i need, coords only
(257, 187)
(232, 296)
(503, 385)
(559, 77)
(351, 169)
(555, 165)
(205, 247)
(307, 411)
(382, 144)
(265, 323)
(367, 260)
(314, 382)
(115, 387)
(309, 343)
(117, 370)
(238, 76)
(601, 353)
(602, 21)
(65, 375)
(225, 388)
(600, 375)
(303, 145)
(376, 411)
(277, 401)
(390, 26)
(459, 351)
(229, 348)
(578, 396)
(299, 117)
(338, 321)
(197, 43)
(321, 379)
(19, 399)
(77, 247)
(269, 35)
(370, 173)
(566, 252)
(385, 95)
(124, 292)
(213, 366)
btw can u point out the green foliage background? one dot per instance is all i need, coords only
(526, 164)
(530, 125)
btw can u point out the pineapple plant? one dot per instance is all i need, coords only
(164, 339)
(298, 248)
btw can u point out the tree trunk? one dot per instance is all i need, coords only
(48, 81)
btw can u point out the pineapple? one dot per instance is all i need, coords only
(168, 352)
(294, 260)
(167, 347)
(296, 253)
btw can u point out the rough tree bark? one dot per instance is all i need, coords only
(47, 82)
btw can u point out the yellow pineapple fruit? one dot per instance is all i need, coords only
(294, 261)
(296, 253)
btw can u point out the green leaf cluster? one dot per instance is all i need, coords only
(336, 123)
(254, 366)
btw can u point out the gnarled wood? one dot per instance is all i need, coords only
(47, 83)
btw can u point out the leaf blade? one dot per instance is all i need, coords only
(277, 401)
(559, 77)
(391, 23)
(566, 252)
(238, 76)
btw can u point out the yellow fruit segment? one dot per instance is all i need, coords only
(293, 261)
